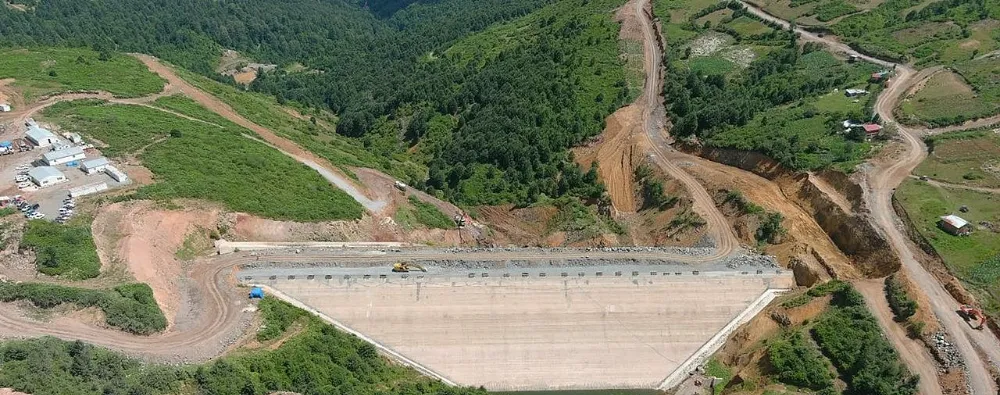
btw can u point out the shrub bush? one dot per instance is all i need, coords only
(797, 362)
(850, 336)
(902, 306)
(62, 250)
(129, 307)
(278, 316)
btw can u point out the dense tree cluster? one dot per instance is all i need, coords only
(319, 360)
(850, 336)
(517, 110)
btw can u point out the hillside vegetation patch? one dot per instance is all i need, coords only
(947, 100)
(779, 104)
(129, 307)
(967, 158)
(849, 335)
(192, 159)
(319, 360)
(62, 250)
(973, 258)
(43, 71)
(943, 31)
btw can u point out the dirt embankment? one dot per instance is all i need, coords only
(852, 231)
(146, 240)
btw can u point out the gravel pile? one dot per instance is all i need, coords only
(947, 351)
(752, 261)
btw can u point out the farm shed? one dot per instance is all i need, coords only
(955, 225)
(64, 155)
(44, 176)
(872, 129)
(95, 165)
(40, 136)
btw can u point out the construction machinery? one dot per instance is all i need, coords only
(973, 316)
(406, 267)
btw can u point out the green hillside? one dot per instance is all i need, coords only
(42, 71)
(204, 161)
(392, 87)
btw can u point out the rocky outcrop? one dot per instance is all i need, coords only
(853, 230)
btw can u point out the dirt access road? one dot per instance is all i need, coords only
(219, 307)
(882, 183)
(652, 117)
(327, 170)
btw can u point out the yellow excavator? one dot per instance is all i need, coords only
(405, 267)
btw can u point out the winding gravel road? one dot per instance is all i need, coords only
(882, 183)
(653, 115)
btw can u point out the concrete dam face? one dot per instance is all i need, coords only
(534, 331)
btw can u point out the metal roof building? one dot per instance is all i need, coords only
(95, 165)
(46, 175)
(40, 136)
(955, 225)
(65, 155)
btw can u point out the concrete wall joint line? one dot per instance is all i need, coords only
(716, 342)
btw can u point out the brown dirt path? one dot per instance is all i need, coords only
(324, 167)
(913, 353)
(615, 155)
(652, 117)
(216, 307)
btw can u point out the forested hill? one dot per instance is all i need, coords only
(489, 127)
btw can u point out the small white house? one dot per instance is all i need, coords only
(63, 156)
(855, 92)
(96, 165)
(44, 176)
(4, 107)
(116, 174)
(40, 136)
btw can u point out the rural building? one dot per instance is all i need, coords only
(44, 176)
(64, 155)
(116, 174)
(40, 136)
(855, 92)
(955, 225)
(872, 129)
(879, 76)
(4, 107)
(73, 137)
(88, 189)
(95, 165)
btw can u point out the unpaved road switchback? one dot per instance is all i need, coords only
(882, 183)
(652, 122)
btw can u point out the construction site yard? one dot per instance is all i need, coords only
(568, 328)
